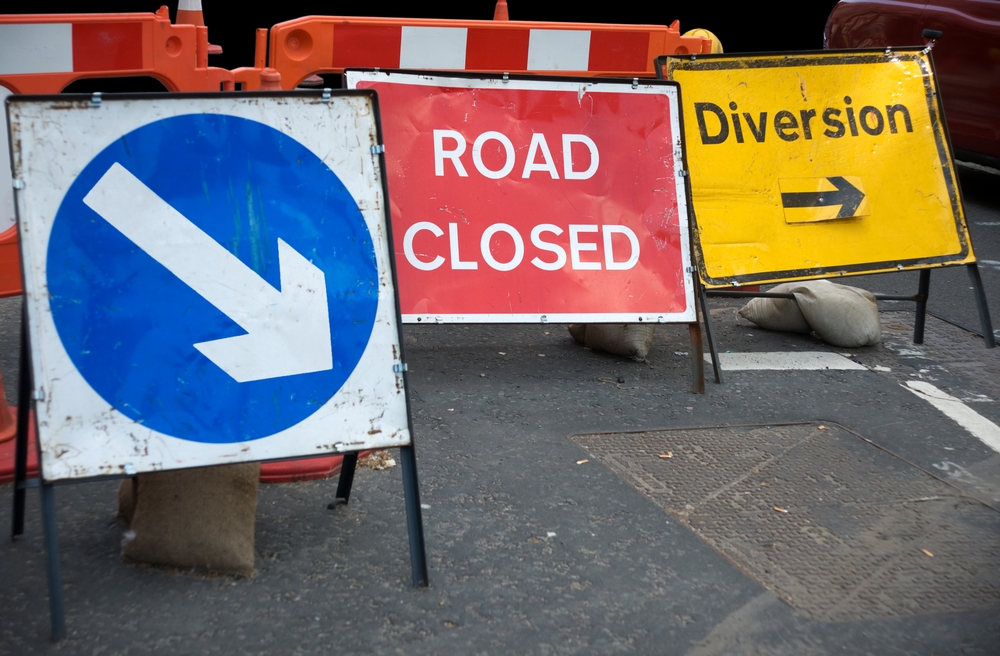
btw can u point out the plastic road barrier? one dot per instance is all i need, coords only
(318, 44)
(44, 53)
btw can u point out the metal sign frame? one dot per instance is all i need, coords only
(729, 286)
(37, 328)
(273, 242)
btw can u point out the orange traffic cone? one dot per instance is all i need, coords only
(8, 423)
(189, 13)
(500, 11)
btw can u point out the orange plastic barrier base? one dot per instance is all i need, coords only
(7, 453)
(288, 471)
(10, 264)
(8, 418)
(310, 469)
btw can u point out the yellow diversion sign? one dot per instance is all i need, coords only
(817, 165)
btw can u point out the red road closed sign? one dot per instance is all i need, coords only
(527, 200)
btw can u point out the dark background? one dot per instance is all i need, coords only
(751, 27)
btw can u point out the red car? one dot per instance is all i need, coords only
(966, 58)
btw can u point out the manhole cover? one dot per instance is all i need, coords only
(834, 526)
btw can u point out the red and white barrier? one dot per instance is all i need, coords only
(316, 44)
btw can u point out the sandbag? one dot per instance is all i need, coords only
(839, 315)
(577, 331)
(629, 339)
(126, 500)
(201, 519)
(776, 313)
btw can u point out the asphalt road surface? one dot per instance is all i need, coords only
(950, 295)
(578, 503)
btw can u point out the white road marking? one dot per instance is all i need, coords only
(781, 361)
(978, 167)
(960, 413)
(954, 408)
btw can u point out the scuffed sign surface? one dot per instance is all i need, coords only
(208, 281)
(818, 164)
(534, 200)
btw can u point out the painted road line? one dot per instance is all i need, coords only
(962, 414)
(779, 361)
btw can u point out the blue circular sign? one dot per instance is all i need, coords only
(129, 324)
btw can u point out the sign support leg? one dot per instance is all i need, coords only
(346, 479)
(921, 316)
(984, 311)
(697, 358)
(56, 610)
(707, 317)
(414, 518)
(23, 420)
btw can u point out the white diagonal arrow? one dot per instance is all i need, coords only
(288, 332)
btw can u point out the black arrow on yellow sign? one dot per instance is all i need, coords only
(846, 195)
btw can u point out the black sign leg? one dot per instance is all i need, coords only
(56, 611)
(709, 333)
(921, 317)
(414, 517)
(23, 420)
(984, 311)
(346, 479)
(697, 358)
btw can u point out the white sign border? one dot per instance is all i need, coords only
(80, 434)
(689, 315)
